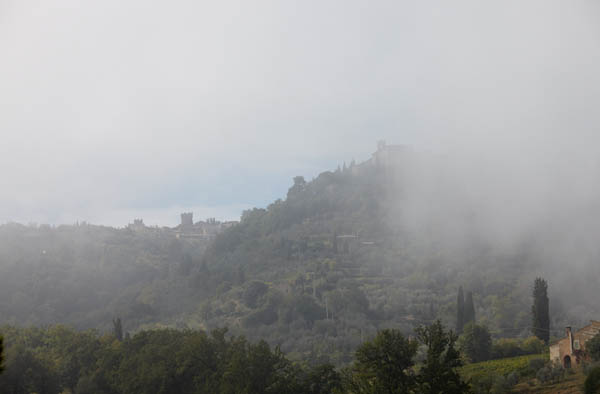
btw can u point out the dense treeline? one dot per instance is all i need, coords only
(50, 360)
(82, 275)
(58, 359)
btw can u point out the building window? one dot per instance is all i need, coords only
(576, 344)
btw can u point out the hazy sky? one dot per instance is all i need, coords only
(111, 110)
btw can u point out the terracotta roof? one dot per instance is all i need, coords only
(588, 331)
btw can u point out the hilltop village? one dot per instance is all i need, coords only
(387, 158)
(204, 230)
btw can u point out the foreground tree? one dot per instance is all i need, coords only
(540, 310)
(592, 347)
(322, 379)
(383, 365)
(592, 382)
(438, 374)
(476, 342)
(27, 372)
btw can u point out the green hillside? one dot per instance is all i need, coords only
(342, 256)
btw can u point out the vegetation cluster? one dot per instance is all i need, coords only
(58, 359)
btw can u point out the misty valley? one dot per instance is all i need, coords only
(299, 197)
(384, 276)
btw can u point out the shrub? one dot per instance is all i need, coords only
(500, 386)
(482, 384)
(512, 378)
(505, 347)
(592, 382)
(534, 366)
(589, 367)
(550, 373)
(533, 345)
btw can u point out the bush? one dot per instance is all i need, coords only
(592, 382)
(535, 365)
(512, 378)
(500, 386)
(533, 345)
(504, 348)
(508, 347)
(482, 384)
(550, 373)
(589, 367)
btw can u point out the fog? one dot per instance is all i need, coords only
(115, 109)
(119, 110)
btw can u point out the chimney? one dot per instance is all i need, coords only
(570, 336)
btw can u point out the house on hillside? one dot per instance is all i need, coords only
(572, 348)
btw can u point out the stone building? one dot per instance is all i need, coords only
(571, 349)
(388, 156)
(203, 229)
(187, 219)
(137, 225)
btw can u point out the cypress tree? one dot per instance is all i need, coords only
(540, 310)
(469, 311)
(460, 311)
(118, 329)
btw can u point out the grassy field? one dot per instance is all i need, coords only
(502, 366)
(571, 384)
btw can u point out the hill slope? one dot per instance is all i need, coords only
(383, 243)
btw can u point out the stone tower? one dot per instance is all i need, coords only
(187, 219)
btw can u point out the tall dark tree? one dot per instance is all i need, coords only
(540, 310)
(118, 329)
(469, 311)
(438, 373)
(460, 310)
